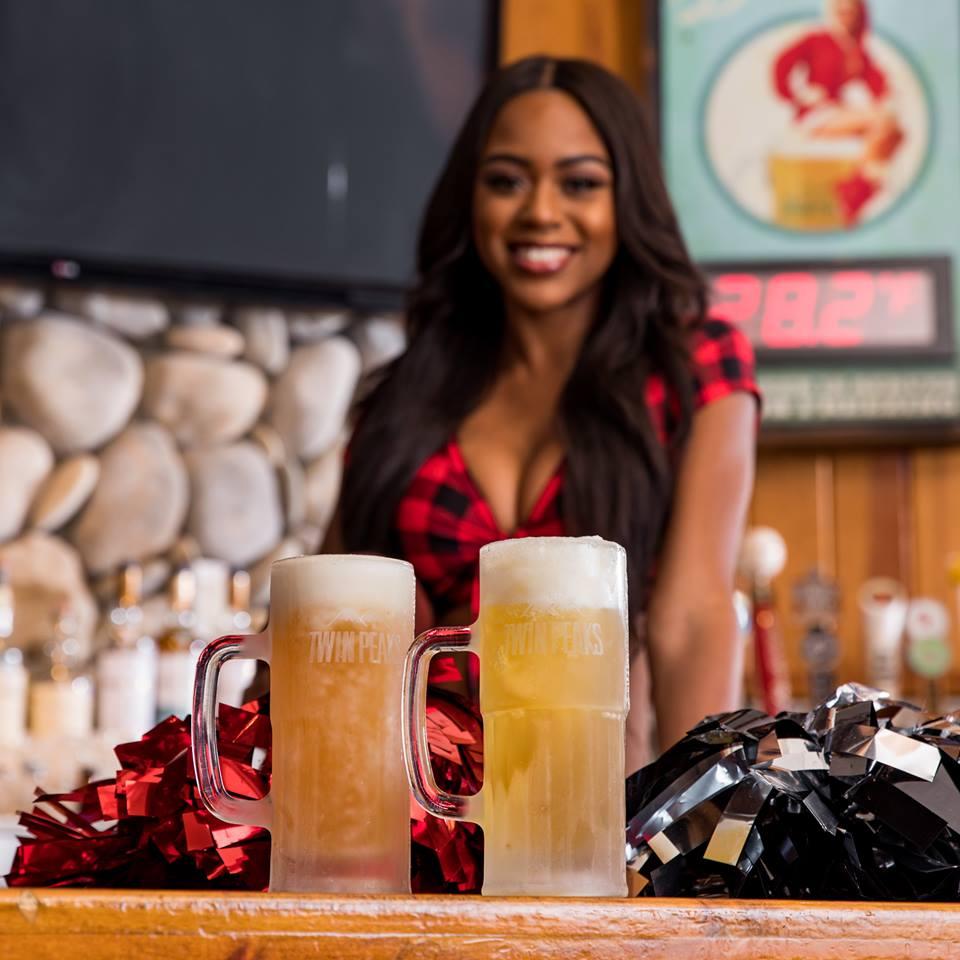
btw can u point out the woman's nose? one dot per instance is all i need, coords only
(542, 206)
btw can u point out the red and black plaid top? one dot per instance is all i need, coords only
(443, 519)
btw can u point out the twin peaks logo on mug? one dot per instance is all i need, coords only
(355, 646)
(575, 638)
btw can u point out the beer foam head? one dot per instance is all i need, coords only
(343, 580)
(558, 572)
(801, 146)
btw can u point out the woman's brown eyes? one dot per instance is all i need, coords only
(503, 182)
(581, 185)
(507, 183)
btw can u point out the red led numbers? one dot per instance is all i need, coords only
(849, 301)
(738, 297)
(903, 291)
(831, 309)
(790, 311)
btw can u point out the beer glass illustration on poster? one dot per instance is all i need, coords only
(813, 128)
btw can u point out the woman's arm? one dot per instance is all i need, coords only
(790, 85)
(695, 653)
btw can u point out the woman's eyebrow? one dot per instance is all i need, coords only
(562, 162)
(506, 158)
(584, 158)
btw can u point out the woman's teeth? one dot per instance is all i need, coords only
(541, 259)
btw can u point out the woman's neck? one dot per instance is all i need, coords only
(547, 343)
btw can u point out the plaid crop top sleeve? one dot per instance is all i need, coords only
(723, 362)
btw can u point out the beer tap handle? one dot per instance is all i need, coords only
(928, 644)
(883, 607)
(416, 749)
(763, 556)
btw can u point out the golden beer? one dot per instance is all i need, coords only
(340, 627)
(804, 175)
(552, 698)
(552, 640)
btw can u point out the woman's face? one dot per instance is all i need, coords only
(850, 15)
(544, 222)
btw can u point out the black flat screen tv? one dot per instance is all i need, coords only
(286, 145)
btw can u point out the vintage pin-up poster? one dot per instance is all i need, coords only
(799, 127)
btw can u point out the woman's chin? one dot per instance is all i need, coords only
(548, 298)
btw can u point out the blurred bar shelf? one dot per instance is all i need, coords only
(44, 924)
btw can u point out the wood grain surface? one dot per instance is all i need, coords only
(611, 32)
(144, 925)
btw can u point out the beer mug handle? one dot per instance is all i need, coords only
(416, 750)
(206, 756)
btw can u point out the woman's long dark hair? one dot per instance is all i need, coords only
(618, 476)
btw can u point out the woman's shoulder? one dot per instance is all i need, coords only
(723, 360)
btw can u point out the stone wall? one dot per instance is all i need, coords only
(152, 429)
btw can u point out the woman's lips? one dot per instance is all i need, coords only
(540, 258)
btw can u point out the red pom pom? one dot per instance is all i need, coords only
(149, 828)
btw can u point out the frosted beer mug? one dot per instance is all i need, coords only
(338, 810)
(551, 636)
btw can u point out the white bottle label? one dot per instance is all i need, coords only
(13, 704)
(126, 693)
(175, 672)
(62, 709)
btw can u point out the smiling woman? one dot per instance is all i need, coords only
(562, 378)
(544, 220)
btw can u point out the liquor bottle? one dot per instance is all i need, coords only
(126, 665)
(240, 619)
(237, 675)
(210, 607)
(13, 674)
(61, 698)
(178, 649)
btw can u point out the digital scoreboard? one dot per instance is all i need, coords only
(860, 348)
(817, 312)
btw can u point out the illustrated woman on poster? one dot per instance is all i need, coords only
(838, 92)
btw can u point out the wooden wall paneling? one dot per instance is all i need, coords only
(936, 534)
(637, 46)
(874, 533)
(793, 494)
(609, 32)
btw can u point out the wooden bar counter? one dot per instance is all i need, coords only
(43, 924)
